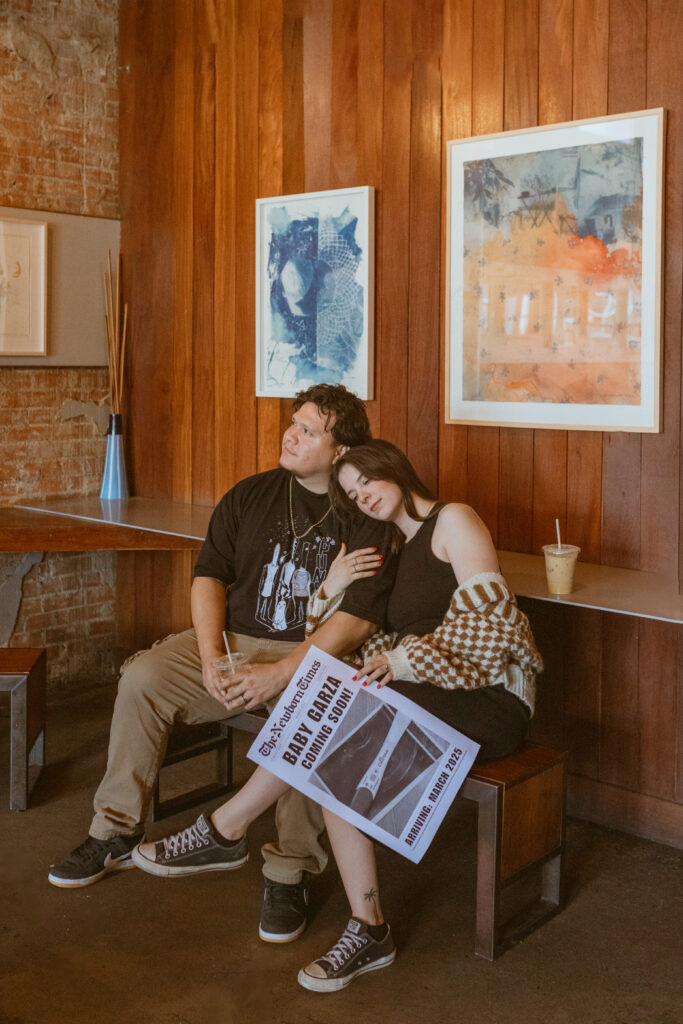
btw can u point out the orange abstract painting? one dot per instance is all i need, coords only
(550, 283)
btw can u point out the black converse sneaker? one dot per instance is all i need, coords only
(197, 848)
(355, 953)
(283, 916)
(92, 860)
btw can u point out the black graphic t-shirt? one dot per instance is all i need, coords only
(251, 548)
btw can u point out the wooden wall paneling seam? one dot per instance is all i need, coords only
(549, 625)
(488, 77)
(657, 701)
(317, 56)
(456, 114)
(170, 600)
(393, 245)
(521, 64)
(515, 489)
(370, 120)
(203, 321)
(556, 43)
(227, 435)
(246, 78)
(425, 251)
(627, 56)
(550, 487)
(146, 138)
(590, 52)
(582, 691)
(270, 178)
(146, 128)
(585, 453)
(343, 71)
(583, 448)
(620, 713)
(293, 167)
(661, 667)
(293, 126)
(622, 469)
(183, 223)
(662, 461)
(584, 490)
(517, 463)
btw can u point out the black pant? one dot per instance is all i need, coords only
(491, 715)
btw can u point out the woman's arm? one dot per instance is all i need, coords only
(461, 538)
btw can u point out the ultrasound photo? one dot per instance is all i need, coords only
(374, 768)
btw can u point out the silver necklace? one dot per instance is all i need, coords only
(300, 536)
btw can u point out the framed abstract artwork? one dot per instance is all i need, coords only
(23, 282)
(314, 291)
(553, 278)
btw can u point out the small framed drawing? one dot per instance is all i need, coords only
(23, 282)
(553, 280)
(314, 291)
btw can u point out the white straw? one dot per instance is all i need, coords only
(557, 527)
(227, 646)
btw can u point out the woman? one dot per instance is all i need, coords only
(452, 624)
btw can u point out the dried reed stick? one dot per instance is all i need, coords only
(116, 333)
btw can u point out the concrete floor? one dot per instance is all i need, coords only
(186, 951)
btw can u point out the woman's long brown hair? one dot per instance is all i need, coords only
(381, 460)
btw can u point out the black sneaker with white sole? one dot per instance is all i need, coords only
(283, 915)
(354, 954)
(92, 860)
(191, 851)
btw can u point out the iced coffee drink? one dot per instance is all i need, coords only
(559, 567)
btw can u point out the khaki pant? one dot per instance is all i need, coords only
(162, 686)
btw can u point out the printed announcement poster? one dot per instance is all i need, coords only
(370, 755)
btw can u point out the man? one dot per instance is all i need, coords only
(270, 542)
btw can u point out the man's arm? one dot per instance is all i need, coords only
(208, 600)
(341, 634)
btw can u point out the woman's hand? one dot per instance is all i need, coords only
(346, 569)
(377, 671)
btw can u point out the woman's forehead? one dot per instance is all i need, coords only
(349, 475)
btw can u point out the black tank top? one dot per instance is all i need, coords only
(423, 588)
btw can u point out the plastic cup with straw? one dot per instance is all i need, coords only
(559, 564)
(230, 662)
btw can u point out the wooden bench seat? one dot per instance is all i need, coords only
(22, 675)
(521, 806)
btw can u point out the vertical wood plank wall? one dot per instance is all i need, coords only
(223, 101)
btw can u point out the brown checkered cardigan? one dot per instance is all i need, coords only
(483, 640)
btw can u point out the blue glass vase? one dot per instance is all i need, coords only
(114, 482)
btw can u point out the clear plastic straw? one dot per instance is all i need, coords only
(557, 528)
(227, 646)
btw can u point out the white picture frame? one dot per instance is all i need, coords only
(554, 240)
(315, 291)
(23, 287)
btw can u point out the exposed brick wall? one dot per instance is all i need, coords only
(59, 106)
(45, 449)
(59, 152)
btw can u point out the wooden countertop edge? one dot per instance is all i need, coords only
(23, 531)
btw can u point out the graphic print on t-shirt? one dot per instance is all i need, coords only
(295, 571)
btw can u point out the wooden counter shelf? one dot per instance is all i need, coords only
(88, 524)
(646, 595)
(157, 524)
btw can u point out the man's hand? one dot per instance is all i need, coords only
(255, 685)
(213, 683)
